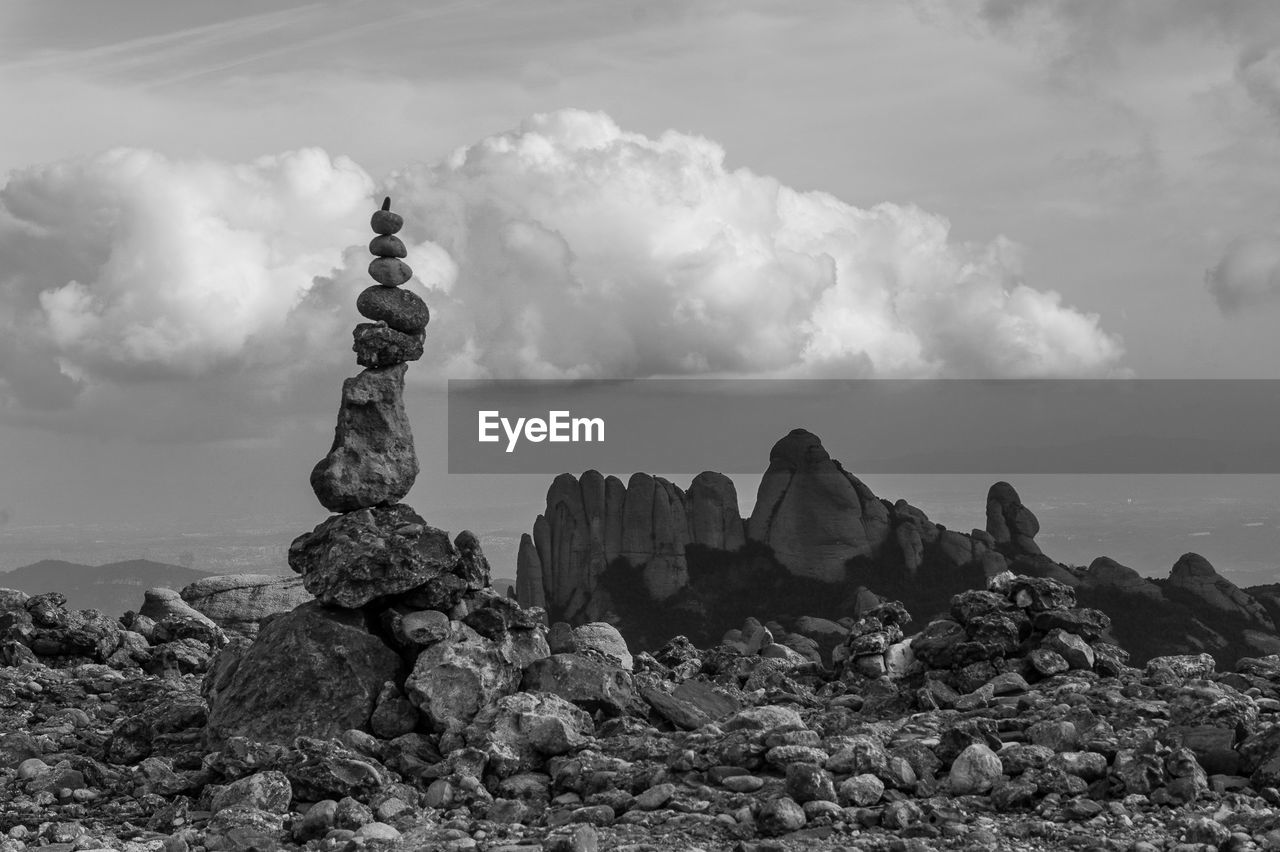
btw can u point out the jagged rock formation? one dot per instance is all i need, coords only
(813, 514)
(656, 560)
(1192, 574)
(595, 522)
(602, 550)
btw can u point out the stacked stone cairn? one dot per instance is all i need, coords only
(405, 637)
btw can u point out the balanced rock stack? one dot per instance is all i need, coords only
(372, 461)
(405, 635)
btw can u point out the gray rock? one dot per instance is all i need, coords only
(401, 309)
(387, 245)
(311, 672)
(353, 559)
(605, 638)
(240, 602)
(453, 679)
(519, 732)
(812, 513)
(1011, 524)
(976, 770)
(588, 682)
(384, 221)
(390, 271)
(378, 345)
(780, 816)
(269, 791)
(372, 461)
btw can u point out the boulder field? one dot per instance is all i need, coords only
(1010, 723)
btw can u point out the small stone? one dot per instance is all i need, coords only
(742, 783)
(425, 627)
(378, 831)
(780, 816)
(384, 221)
(1048, 663)
(975, 770)
(267, 791)
(386, 245)
(317, 821)
(862, 790)
(807, 783)
(389, 271)
(583, 838)
(1071, 648)
(31, 767)
(655, 797)
(378, 345)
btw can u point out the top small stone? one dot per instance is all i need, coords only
(384, 221)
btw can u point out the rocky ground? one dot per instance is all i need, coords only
(966, 742)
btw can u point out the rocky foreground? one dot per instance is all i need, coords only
(1003, 726)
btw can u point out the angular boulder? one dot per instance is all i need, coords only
(588, 682)
(453, 679)
(312, 672)
(519, 732)
(372, 461)
(352, 559)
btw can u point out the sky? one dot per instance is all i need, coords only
(981, 188)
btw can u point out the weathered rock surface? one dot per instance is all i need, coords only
(240, 602)
(401, 309)
(1193, 575)
(656, 561)
(604, 638)
(353, 559)
(312, 672)
(1010, 524)
(812, 513)
(455, 678)
(377, 345)
(372, 461)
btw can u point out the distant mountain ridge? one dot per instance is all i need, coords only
(113, 588)
(656, 560)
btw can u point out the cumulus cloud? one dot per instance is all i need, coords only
(565, 248)
(1248, 275)
(578, 249)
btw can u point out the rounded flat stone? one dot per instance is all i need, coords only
(400, 309)
(387, 245)
(386, 222)
(389, 271)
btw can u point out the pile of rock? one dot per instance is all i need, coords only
(405, 636)
(1023, 629)
(875, 646)
(165, 637)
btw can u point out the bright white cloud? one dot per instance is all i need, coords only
(579, 249)
(566, 248)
